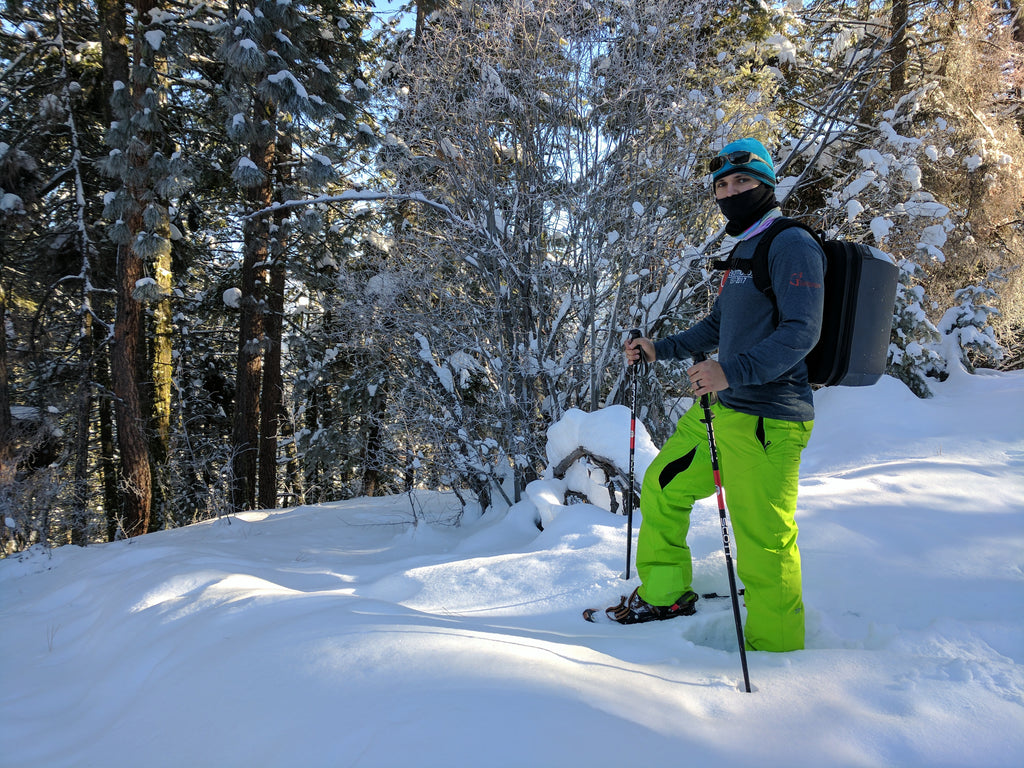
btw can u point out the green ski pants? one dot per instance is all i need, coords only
(759, 462)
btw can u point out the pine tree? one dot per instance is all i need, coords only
(151, 175)
(291, 75)
(968, 326)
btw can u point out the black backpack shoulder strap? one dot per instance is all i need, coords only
(757, 265)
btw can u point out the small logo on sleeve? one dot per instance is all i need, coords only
(797, 280)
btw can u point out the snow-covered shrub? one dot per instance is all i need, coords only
(968, 326)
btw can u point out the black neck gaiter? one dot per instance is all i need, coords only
(747, 208)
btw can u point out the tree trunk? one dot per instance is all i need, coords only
(313, 473)
(161, 368)
(272, 400)
(251, 338)
(135, 479)
(128, 366)
(83, 421)
(373, 449)
(114, 48)
(108, 458)
(899, 49)
(245, 431)
(7, 461)
(159, 365)
(6, 452)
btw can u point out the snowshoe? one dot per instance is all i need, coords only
(636, 610)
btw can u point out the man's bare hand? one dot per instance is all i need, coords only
(635, 347)
(707, 377)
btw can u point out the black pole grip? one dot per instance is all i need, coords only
(640, 364)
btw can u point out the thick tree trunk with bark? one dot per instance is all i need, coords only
(135, 478)
(273, 389)
(114, 47)
(898, 49)
(160, 366)
(245, 432)
(159, 363)
(252, 328)
(128, 366)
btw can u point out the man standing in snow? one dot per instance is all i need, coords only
(763, 419)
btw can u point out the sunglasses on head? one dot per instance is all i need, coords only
(741, 157)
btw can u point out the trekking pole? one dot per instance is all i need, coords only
(705, 402)
(633, 334)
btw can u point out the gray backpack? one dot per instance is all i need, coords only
(860, 297)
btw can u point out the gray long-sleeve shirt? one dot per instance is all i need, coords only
(764, 362)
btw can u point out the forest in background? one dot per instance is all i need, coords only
(269, 253)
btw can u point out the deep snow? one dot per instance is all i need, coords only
(344, 635)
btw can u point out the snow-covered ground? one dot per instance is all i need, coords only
(344, 635)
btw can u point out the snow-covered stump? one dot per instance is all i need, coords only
(588, 456)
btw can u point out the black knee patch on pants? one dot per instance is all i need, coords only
(673, 468)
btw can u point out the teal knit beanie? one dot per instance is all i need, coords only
(759, 165)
